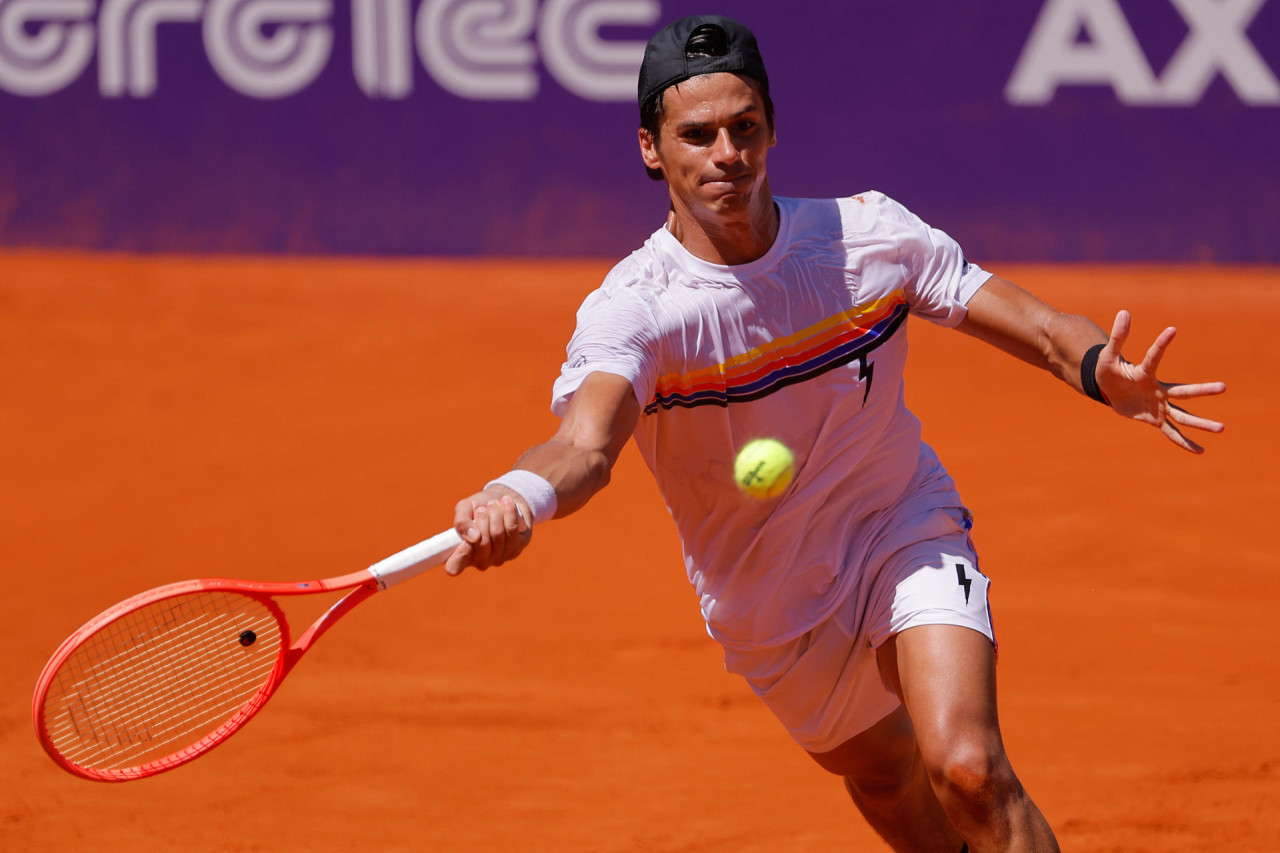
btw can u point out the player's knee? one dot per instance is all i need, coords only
(878, 791)
(973, 777)
(882, 783)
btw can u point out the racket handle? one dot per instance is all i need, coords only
(415, 559)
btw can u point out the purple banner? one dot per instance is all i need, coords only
(1042, 130)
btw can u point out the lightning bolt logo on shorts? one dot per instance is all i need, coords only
(965, 581)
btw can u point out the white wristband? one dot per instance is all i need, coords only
(539, 494)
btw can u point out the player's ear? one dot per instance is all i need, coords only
(649, 150)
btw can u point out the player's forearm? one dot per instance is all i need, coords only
(1066, 340)
(576, 473)
(577, 460)
(1015, 321)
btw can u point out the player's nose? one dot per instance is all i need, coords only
(725, 150)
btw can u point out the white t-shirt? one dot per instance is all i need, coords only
(806, 344)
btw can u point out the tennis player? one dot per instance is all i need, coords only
(852, 603)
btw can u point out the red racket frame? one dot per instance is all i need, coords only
(398, 567)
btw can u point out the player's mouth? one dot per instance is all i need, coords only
(730, 183)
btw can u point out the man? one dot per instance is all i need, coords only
(852, 603)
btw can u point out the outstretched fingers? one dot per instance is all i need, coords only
(1155, 353)
(1190, 390)
(1119, 334)
(1120, 327)
(1183, 418)
(1175, 435)
(1176, 417)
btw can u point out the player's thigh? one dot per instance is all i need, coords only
(946, 678)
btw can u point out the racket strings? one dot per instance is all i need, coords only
(160, 679)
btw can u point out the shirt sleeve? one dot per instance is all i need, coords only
(615, 334)
(939, 280)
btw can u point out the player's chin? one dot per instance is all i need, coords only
(726, 197)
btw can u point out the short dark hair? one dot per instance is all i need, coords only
(705, 40)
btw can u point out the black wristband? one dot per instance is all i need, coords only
(1088, 377)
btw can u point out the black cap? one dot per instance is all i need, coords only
(665, 63)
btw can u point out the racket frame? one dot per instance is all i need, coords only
(394, 569)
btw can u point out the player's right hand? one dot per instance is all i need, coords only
(494, 528)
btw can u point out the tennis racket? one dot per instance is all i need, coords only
(165, 676)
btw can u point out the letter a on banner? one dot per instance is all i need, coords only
(1053, 55)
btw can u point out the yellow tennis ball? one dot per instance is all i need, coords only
(764, 467)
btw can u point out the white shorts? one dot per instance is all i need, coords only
(825, 686)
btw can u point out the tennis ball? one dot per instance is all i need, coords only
(764, 467)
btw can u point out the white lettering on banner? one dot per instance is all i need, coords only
(478, 49)
(1216, 43)
(381, 50)
(265, 66)
(44, 44)
(584, 63)
(1053, 57)
(127, 42)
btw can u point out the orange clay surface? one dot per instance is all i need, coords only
(293, 419)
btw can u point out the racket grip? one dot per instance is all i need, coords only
(415, 559)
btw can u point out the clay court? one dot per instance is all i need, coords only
(166, 418)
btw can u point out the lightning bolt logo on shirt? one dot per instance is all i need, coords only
(845, 337)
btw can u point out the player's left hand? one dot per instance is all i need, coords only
(1134, 391)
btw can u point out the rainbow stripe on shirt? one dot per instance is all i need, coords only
(812, 351)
